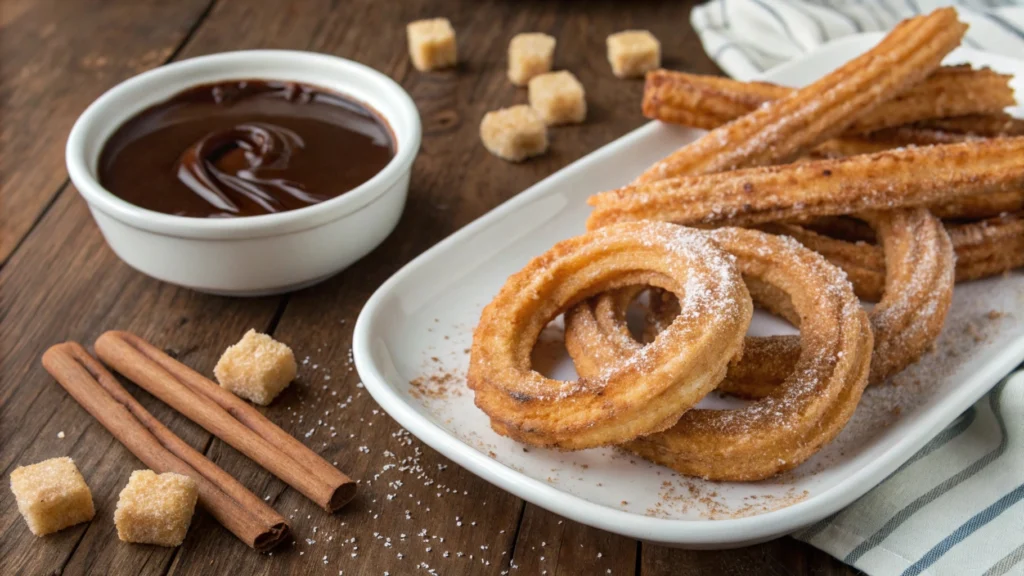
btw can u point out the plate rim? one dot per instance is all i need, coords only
(724, 532)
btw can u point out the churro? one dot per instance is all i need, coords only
(815, 401)
(983, 248)
(783, 129)
(708, 102)
(651, 389)
(885, 180)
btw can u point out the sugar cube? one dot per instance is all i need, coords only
(257, 368)
(514, 133)
(529, 55)
(633, 53)
(52, 495)
(558, 98)
(155, 508)
(431, 44)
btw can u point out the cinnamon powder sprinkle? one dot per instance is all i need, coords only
(685, 495)
(440, 385)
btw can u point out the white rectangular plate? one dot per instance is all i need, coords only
(411, 349)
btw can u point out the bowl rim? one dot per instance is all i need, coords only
(403, 121)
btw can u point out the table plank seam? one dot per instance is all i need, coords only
(278, 314)
(191, 32)
(67, 180)
(39, 218)
(14, 461)
(515, 537)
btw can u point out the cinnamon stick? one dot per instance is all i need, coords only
(230, 503)
(226, 416)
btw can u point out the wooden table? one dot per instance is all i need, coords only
(60, 281)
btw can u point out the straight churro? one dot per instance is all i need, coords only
(885, 180)
(707, 102)
(783, 129)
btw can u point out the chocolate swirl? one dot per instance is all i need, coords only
(245, 148)
(226, 168)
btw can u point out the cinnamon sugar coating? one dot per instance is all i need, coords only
(650, 389)
(781, 430)
(881, 181)
(783, 129)
(708, 102)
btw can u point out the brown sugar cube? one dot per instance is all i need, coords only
(514, 133)
(52, 495)
(257, 368)
(529, 55)
(559, 98)
(155, 508)
(431, 44)
(633, 53)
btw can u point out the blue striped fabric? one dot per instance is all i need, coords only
(955, 508)
(747, 37)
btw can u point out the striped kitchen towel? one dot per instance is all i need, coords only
(747, 37)
(955, 508)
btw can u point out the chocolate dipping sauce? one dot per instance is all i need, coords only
(244, 148)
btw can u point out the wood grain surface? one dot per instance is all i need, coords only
(416, 511)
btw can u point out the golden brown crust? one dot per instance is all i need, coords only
(968, 208)
(983, 248)
(797, 418)
(918, 288)
(783, 129)
(985, 125)
(707, 102)
(980, 207)
(988, 247)
(885, 180)
(911, 276)
(913, 301)
(645, 393)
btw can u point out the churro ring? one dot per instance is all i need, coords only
(649, 390)
(906, 321)
(783, 429)
(983, 248)
(597, 336)
(918, 266)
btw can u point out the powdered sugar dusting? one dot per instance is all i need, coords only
(983, 321)
(707, 296)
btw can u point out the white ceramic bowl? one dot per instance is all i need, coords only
(252, 255)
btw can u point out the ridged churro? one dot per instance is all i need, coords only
(988, 126)
(811, 406)
(917, 292)
(651, 389)
(877, 148)
(885, 180)
(708, 102)
(983, 248)
(783, 129)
